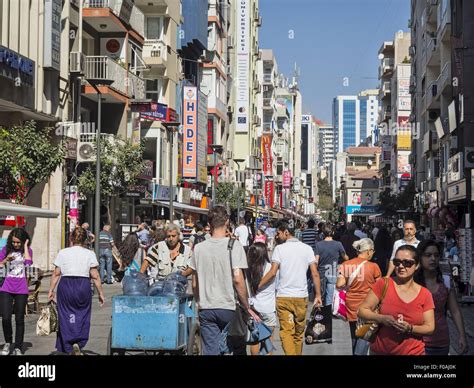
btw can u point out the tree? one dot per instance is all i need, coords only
(28, 156)
(390, 203)
(121, 163)
(324, 188)
(226, 193)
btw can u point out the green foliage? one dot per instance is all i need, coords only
(120, 165)
(324, 188)
(227, 193)
(390, 203)
(28, 156)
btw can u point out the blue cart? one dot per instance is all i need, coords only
(154, 324)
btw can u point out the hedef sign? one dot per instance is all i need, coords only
(190, 109)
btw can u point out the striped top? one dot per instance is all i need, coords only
(309, 237)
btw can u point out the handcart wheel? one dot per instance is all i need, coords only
(194, 341)
(112, 351)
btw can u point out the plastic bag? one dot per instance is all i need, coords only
(339, 308)
(135, 284)
(319, 326)
(48, 321)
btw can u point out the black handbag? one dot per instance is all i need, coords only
(238, 326)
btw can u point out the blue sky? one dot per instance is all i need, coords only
(332, 39)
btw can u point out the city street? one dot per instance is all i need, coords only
(101, 323)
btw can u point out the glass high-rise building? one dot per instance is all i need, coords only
(354, 118)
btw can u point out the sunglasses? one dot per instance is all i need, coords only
(406, 263)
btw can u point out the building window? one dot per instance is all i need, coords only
(153, 27)
(154, 89)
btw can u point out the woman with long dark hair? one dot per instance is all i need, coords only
(383, 249)
(263, 300)
(444, 297)
(15, 256)
(131, 253)
(75, 266)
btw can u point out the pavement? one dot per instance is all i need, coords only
(102, 316)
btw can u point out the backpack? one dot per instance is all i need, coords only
(198, 238)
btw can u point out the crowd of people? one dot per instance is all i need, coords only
(391, 277)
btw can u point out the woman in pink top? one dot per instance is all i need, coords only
(260, 237)
(14, 258)
(444, 297)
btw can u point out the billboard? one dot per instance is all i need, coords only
(286, 179)
(269, 193)
(190, 138)
(267, 155)
(403, 133)
(243, 65)
(202, 138)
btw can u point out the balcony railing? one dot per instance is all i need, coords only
(430, 49)
(124, 81)
(444, 78)
(386, 88)
(267, 78)
(123, 9)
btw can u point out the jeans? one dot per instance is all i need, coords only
(328, 285)
(105, 259)
(360, 347)
(213, 322)
(292, 316)
(6, 304)
(431, 351)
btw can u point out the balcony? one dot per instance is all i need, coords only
(386, 66)
(431, 94)
(444, 24)
(124, 82)
(267, 127)
(385, 89)
(444, 79)
(155, 53)
(108, 15)
(432, 52)
(267, 79)
(268, 103)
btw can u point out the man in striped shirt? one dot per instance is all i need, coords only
(309, 235)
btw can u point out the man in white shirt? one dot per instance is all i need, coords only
(242, 233)
(409, 230)
(292, 259)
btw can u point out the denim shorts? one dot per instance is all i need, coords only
(269, 319)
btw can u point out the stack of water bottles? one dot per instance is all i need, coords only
(136, 284)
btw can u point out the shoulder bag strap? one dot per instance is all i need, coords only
(230, 246)
(355, 273)
(384, 292)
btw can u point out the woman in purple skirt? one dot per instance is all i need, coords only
(75, 267)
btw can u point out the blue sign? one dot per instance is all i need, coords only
(358, 209)
(16, 61)
(157, 113)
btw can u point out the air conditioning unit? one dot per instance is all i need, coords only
(76, 62)
(469, 157)
(229, 154)
(434, 90)
(230, 109)
(85, 150)
(412, 50)
(259, 21)
(259, 55)
(455, 168)
(231, 42)
(432, 115)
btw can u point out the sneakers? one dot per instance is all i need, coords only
(6, 349)
(76, 350)
(17, 352)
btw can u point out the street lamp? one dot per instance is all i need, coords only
(216, 149)
(95, 82)
(170, 129)
(238, 161)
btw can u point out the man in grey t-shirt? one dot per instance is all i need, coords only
(213, 283)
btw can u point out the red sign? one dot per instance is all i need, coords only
(269, 195)
(171, 116)
(210, 135)
(286, 179)
(267, 155)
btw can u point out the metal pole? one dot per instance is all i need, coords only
(256, 200)
(171, 193)
(238, 203)
(213, 181)
(97, 177)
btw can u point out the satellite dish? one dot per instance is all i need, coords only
(381, 56)
(369, 162)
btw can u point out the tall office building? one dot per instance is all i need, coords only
(327, 143)
(354, 118)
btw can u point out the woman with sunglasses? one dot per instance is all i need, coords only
(406, 313)
(445, 299)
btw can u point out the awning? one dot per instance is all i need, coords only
(13, 209)
(182, 206)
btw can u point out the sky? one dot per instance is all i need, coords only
(330, 40)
